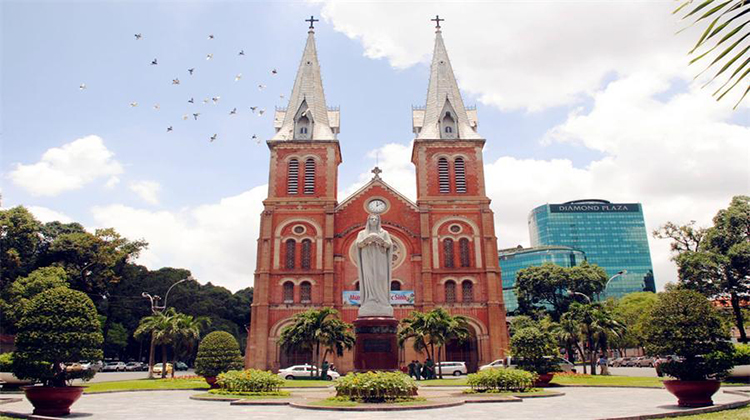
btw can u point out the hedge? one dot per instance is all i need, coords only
(376, 386)
(500, 380)
(218, 352)
(249, 380)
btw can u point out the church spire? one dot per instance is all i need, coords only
(444, 115)
(306, 116)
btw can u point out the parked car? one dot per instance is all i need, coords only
(134, 366)
(158, 368)
(615, 362)
(303, 371)
(452, 368)
(632, 362)
(645, 361)
(565, 365)
(180, 366)
(73, 367)
(96, 366)
(114, 367)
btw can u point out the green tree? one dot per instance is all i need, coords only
(160, 327)
(535, 350)
(218, 352)
(553, 286)
(631, 311)
(116, 340)
(723, 22)
(568, 333)
(23, 289)
(430, 331)
(716, 263)
(19, 244)
(186, 331)
(312, 329)
(597, 326)
(59, 326)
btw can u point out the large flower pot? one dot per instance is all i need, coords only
(211, 380)
(52, 401)
(693, 393)
(543, 380)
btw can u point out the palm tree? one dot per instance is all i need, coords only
(433, 329)
(568, 333)
(159, 326)
(313, 328)
(596, 325)
(185, 331)
(727, 18)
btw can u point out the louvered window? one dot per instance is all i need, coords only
(450, 291)
(467, 290)
(460, 170)
(306, 254)
(305, 292)
(448, 253)
(293, 177)
(443, 178)
(291, 247)
(464, 252)
(288, 292)
(310, 176)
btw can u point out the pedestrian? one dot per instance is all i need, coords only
(603, 364)
(418, 370)
(324, 370)
(412, 365)
(430, 367)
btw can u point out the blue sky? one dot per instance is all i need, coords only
(373, 67)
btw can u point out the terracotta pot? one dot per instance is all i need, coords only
(693, 393)
(52, 401)
(543, 380)
(211, 380)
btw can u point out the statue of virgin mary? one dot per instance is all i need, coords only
(374, 248)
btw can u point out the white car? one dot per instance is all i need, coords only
(451, 368)
(565, 366)
(303, 372)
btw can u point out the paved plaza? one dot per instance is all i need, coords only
(577, 403)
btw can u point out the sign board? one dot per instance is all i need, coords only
(595, 208)
(398, 297)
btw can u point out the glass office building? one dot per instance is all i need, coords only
(514, 259)
(613, 236)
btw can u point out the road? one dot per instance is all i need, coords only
(128, 376)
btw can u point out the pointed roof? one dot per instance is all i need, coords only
(442, 93)
(376, 181)
(307, 91)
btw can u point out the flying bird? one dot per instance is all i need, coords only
(191, 70)
(261, 87)
(154, 62)
(209, 56)
(191, 101)
(211, 36)
(242, 52)
(184, 117)
(281, 96)
(238, 77)
(169, 129)
(138, 36)
(195, 115)
(260, 113)
(253, 108)
(233, 111)
(216, 99)
(156, 107)
(133, 104)
(82, 86)
(254, 137)
(205, 100)
(274, 72)
(175, 81)
(213, 137)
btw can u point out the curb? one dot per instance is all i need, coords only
(259, 402)
(390, 408)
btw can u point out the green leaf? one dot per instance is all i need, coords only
(698, 8)
(728, 64)
(724, 53)
(743, 95)
(737, 70)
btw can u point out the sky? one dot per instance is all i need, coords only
(576, 100)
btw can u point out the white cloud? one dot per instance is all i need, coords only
(46, 215)
(148, 191)
(395, 161)
(217, 242)
(112, 182)
(528, 55)
(67, 168)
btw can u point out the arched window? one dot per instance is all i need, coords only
(291, 247)
(395, 285)
(305, 292)
(443, 179)
(306, 254)
(303, 130)
(448, 129)
(288, 292)
(448, 253)
(460, 171)
(467, 291)
(356, 286)
(303, 127)
(292, 178)
(450, 291)
(464, 254)
(309, 176)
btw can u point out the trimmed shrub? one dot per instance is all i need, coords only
(6, 362)
(502, 380)
(59, 326)
(534, 350)
(741, 354)
(218, 352)
(249, 381)
(376, 387)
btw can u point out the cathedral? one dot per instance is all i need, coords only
(445, 248)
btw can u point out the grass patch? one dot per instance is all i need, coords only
(138, 384)
(345, 402)
(736, 414)
(306, 383)
(221, 392)
(651, 382)
(443, 382)
(536, 392)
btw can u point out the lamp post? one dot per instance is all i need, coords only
(155, 308)
(619, 273)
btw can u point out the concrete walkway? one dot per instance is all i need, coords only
(577, 403)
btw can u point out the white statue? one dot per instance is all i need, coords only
(374, 248)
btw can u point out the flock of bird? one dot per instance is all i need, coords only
(213, 100)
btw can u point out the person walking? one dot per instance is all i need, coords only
(418, 370)
(429, 366)
(411, 367)
(324, 370)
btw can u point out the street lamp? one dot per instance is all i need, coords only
(580, 294)
(619, 273)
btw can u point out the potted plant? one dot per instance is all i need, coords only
(59, 326)
(535, 350)
(218, 352)
(683, 323)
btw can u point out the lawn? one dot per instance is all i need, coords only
(736, 414)
(651, 382)
(157, 384)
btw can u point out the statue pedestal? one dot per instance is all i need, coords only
(376, 345)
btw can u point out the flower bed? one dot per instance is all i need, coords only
(249, 381)
(501, 380)
(376, 387)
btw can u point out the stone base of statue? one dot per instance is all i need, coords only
(376, 345)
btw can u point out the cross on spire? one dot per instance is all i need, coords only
(312, 21)
(437, 21)
(376, 171)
